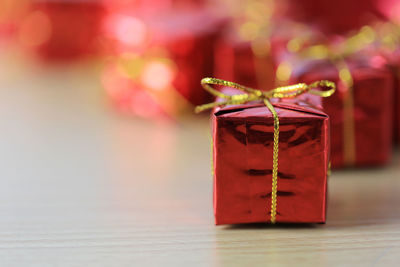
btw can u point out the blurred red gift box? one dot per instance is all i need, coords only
(160, 60)
(11, 12)
(153, 6)
(62, 29)
(361, 110)
(337, 16)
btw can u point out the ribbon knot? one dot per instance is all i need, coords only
(250, 95)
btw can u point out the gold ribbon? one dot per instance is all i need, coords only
(349, 143)
(250, 95)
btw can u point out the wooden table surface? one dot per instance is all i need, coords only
(83, 186)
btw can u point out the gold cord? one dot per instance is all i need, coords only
(349, 143)
(275, 158)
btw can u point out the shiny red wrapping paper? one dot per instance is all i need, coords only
(63, 30)
(242, 154)
(373, 107)
(163, 60)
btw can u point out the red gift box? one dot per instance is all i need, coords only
(131, 97)
(64, 29)
(243, 54)
(163, 57)
(245, 62)
(11, 12)
(338, 16)
(252, 62)
(243, 162)
(361, 120)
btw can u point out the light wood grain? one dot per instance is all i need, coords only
(83, 186)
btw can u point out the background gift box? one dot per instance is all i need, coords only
(361, 114)
(162, 58)
(62, 30)
(246, 62)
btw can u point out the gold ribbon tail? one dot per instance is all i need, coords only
(349, 144)
(275, 157)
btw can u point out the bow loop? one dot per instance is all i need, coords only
(322, 84)
(290, 91)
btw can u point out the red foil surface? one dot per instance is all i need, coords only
(243, 149)
(373, 108)
(63, 30)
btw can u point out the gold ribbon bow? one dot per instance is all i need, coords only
(249, 95)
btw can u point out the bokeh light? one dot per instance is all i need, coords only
(35, 29)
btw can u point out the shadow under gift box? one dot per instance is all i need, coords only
(243, 158)
(62, 29)
(162, 59)
(372, 112)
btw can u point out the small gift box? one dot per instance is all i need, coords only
(362, 109)
(161, 59)
(271, 157)
(63, 29)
